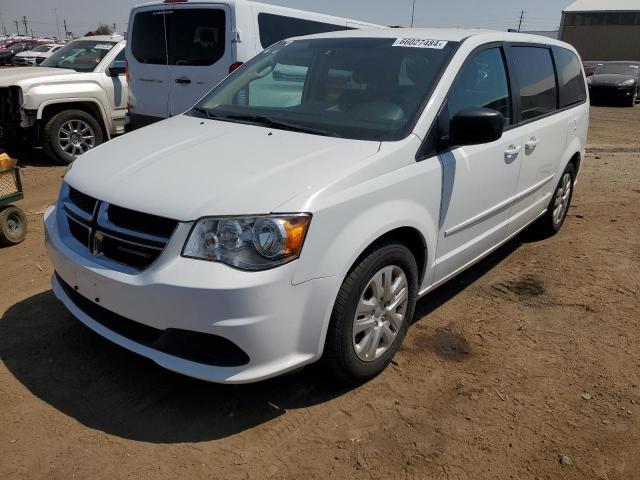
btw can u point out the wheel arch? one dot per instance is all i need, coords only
(93, 107)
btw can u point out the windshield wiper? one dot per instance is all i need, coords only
(270, 122)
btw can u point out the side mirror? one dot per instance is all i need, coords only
(475, 126)
(117, 68)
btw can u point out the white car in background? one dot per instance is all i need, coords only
(37, 55)
(260, 232)
(74, 101)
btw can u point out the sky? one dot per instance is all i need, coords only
(85, 15)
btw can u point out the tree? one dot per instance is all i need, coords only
(102, 30)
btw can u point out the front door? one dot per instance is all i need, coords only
(479, 181)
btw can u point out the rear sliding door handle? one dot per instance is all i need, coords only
(531, 145)
(183, 81)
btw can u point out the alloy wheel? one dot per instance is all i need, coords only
(380, 313)
(563, 195)
(76, 137)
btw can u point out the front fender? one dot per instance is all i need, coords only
(341, 232)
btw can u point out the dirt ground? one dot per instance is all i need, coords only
(525, 367)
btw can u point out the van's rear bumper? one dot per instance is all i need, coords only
(134, 121)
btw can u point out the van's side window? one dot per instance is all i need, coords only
(571, 78)
(483, 82)
(537, 79)
(274, 28)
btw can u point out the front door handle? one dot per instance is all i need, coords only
(531, 145)
(183, 81)
(513, 150)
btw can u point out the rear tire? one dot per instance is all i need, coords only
(551, 222)
(13, 226)
(363, 308)
(70, 134)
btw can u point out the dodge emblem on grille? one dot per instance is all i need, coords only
(96, 244)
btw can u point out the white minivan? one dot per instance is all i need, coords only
(179, 49)
(260, 232)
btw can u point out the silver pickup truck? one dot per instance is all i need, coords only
(74, 101)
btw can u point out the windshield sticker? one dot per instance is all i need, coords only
(103, 46)
(420, 43)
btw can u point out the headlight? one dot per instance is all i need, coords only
(248, 243)
(628, 83)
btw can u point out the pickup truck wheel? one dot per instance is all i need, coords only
(551, 222)
(69, 134)
(372, 313)
(13, 226)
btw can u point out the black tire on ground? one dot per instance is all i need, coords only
(52, 128)
(339, 354)
(13, 225)
(547, 226)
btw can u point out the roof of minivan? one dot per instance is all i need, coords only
(447, 34)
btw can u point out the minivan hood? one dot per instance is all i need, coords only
(13, 76)
(186, 168)
(610, 79)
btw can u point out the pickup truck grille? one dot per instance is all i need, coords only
(130, 238)
(10, 101)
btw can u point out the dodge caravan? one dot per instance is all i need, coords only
(180, 49)
(301, 208)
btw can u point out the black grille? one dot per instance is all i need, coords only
(141, 222)
(79, 232)
(10, 99)
(193, 346)
(125, 236)
(132, 254)
(82, 201)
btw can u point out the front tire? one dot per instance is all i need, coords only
(372, 313)
(551, 222)
(69, 134)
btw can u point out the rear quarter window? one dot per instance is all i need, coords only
(147, 37)
(274, 28)
(537, 79)
(570, 77)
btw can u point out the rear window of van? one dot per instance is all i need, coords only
(188, 37)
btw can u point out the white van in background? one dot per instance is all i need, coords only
(178, 50)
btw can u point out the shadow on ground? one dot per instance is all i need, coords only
(110, 389)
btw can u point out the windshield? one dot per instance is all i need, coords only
(618, 69)
(81, 55)
(42, 48)
(358, 88)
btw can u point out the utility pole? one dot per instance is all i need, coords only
(55, 10)
(17, 27)
(66, 32)
(114, 28)
(413, 13)
(24, 22)
(521, 18)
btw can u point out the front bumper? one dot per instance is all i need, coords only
(599, 93)
(280, 327)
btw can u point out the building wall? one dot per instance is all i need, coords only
(603, 35)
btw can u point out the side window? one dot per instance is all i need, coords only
(274, 28)
(537, 79)
(196, 36)
(121, 56)
(483, 82)
(571, 78)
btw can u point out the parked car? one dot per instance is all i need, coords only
(7, 54)
(73, 102)
(205, 41)
(616, 81)
(37, 55)
(260, 232)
